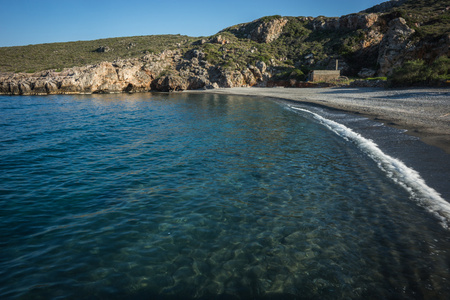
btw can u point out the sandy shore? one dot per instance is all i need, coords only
(424, 113)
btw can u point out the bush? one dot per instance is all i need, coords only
(417, 72)
(270, 18)
(263, 58)
(376, 78)
(286, 73)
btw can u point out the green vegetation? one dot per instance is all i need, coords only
(299, 48)
(429, 18)
(238, 53)
(286, 73)
(270, 18)
(417, 72)
(63, 55)
(376, 78)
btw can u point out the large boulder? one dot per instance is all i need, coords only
(103, 49)
(249, 77)
(170, 83)
(365, 73)
(261, 66)
(218, 39)
(198, 82)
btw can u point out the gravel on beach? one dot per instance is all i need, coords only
(423, 112)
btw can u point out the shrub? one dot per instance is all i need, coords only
(270, 18)
(417, 72)
(263, 58)
(286, 73)
(376, 78)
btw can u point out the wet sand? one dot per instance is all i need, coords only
(423, 112)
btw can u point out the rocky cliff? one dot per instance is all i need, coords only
(263, 52)
(167, 71)
(264, 30)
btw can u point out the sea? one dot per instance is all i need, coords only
(206, 196)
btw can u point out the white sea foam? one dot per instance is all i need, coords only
(395, 169)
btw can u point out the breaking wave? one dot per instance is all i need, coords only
(395, 169)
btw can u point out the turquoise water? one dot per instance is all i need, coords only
(203, 196)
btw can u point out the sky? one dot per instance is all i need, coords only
(25, 22)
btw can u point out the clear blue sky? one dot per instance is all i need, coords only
(24, 22)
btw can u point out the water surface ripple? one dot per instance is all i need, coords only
(202, 196)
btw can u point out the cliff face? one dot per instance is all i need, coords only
(124, 75)
(263, 52)
(264, 30)
(349, 22)
(168, 71)
(393, 45)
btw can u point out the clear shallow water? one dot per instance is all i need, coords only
(199, 196)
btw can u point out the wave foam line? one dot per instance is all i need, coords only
(406, 177)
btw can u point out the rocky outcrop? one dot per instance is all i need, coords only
(103, 49)
(373, 38)
(348, 22)
(167, 71)
(219, 40)
(106, 77)
(365, 73)
(170, 83)
(264, 30)
(267, 32)
(394, 45)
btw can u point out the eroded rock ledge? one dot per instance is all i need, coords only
(167, 71)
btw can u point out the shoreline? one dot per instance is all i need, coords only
(422, 112)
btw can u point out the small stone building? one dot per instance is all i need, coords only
(324, 75)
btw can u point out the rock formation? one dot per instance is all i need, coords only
(264, 30)
(393, 46)
(168, 71)
(366, 44)
(349, 22)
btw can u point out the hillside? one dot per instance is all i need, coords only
(57, 56)
(392, 38)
